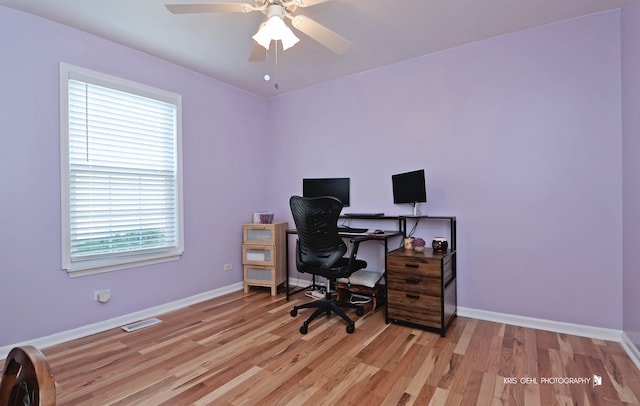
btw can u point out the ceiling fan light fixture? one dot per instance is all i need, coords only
(275, 29)
(289, 39)
(262, 37)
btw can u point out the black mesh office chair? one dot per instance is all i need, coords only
(320, 251)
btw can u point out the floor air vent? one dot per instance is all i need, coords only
(141, 324)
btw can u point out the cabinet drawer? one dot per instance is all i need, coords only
(423, 266)
(258, 255)
(259, 234)
(416, 283)
(414, 308)
(258, 273)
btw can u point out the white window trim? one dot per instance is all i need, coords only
(116, 262)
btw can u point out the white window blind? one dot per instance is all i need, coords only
(121, 174)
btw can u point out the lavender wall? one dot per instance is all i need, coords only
(220, 188)
(520, 139)
(631, 167)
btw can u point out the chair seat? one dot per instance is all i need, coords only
(339, 270)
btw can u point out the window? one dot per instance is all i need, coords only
(120, 173)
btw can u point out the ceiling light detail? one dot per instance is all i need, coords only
(275, 29)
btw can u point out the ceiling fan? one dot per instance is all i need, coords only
(276, 11)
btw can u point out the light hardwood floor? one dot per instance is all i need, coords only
(246, 350)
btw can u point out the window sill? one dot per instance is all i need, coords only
(83, 269)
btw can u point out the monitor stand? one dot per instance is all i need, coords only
(416, 210)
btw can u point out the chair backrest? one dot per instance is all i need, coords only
(27, 379)
(316, 219)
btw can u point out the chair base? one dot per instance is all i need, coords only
(328, 306)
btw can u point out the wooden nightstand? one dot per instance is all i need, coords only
(421, 289)
(263, 255)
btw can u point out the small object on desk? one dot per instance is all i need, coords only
(418, 244)
(408, 243)
(364, 214)
(439, 244)
(378, 232)
(266, 218)
(259, 217)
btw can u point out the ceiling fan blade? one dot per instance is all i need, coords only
(322, 34)
(258, 53)
(210, 8)
(308, 3)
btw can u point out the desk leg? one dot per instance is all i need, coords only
(386, 282)
(286, 281)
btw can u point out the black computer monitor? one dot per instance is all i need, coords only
(409, 187)
(336, 187)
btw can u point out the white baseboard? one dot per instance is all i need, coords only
(99, 327)
(631, 349)
(542, 324)
(301, 283)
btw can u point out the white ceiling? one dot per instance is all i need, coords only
(382, 32)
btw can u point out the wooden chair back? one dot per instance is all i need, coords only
(27, 379)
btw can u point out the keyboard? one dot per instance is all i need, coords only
(347, 229)
(364, 214)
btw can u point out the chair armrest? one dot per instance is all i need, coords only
(359, 239)
(355, 244)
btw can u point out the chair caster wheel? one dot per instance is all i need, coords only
(304, 329)
(360, 311)
(350, 328)
(294, 312)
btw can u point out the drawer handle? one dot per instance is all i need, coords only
(412, 281)
(411, 265)
(410, 296)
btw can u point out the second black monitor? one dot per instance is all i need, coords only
(409, 187)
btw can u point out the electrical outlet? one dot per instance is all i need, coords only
(102, 296)
(228, 267)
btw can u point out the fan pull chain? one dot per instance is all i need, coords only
(267, 77)
(277, 86)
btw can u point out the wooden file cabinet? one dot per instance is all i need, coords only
(421, 289)
(263, 255)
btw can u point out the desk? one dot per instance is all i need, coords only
(420, 288)
(402, 223)
(369, 237)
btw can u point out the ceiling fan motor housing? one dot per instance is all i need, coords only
(267, 5)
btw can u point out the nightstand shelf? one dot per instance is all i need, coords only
(263, 255)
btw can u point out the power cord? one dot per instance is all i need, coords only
(316, 294)
(359, 299)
